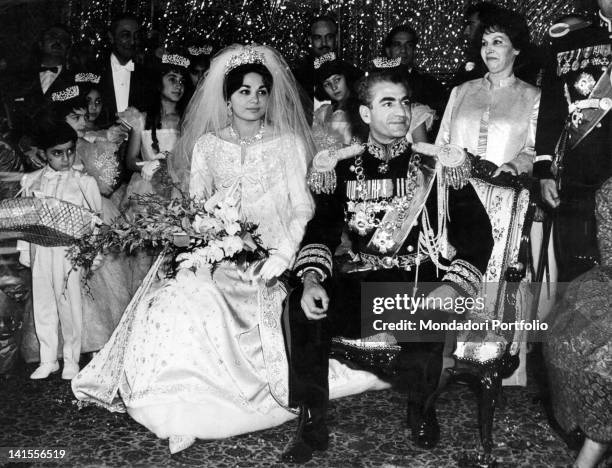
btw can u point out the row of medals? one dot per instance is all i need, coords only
(573, 60)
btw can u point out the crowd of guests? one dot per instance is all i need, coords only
(96, 135)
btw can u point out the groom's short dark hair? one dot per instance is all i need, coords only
(379, 75)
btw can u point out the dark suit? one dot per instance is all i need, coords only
(576, 62)
(304, 73)
(25, 97)
(427, 90)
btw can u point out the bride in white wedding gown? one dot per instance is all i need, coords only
(203, 356)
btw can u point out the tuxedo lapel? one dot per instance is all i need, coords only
(61, 82)
(110, 101)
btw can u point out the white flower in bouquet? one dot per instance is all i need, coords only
(232, 228)
(215, 253)
(203, 224)
(232, 245)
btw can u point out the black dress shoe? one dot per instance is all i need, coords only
(310, 435)
(426, 433)
(316, 435)
(297, 451)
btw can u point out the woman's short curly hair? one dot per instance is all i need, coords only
(509, 22)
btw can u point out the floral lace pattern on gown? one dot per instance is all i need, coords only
(579, 352)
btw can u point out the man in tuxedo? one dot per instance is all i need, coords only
(401, 43)
(323, 39)
(48, 73)
(124, 82)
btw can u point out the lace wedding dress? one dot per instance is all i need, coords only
(204, 356)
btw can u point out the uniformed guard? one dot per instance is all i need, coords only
(574, 135)
(399, 207)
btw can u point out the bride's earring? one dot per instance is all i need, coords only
(229, 110)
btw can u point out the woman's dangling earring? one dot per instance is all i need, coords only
(229, 110)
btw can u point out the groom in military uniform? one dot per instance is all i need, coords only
(393, 203)
(574, 136)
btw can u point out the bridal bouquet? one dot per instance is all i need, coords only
(196, 233)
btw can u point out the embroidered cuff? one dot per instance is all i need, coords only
(318, 271)
(322, 182)
(541, 168)
(543, 157)
(314, 256)
(465, 275)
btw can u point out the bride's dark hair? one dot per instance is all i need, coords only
(235, 78)
(207, 110)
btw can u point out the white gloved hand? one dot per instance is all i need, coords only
(274, 266)
(132, 119)
(24, 258)
(148, 168)
(116, 134)
(97, 262)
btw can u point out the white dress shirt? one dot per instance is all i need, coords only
(121, 82)
(47, 78)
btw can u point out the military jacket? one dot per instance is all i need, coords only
(576, 62)
(405, 183)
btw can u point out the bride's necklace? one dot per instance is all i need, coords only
(248, 140)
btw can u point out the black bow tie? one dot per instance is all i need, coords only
(51, 69)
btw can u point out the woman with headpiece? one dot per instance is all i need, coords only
(339, 122)
(155, 132)
(98, 147)
(203, 356)
(199, 56)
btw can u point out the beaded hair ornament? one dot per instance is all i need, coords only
(87, 78)
(175, 59)
(196, 51)
(66, 94)
(248, 55)
(328, 57)
(384, 62)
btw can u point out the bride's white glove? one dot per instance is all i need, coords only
(148, 168)
(274, 266)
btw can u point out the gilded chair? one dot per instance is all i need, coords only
(481, 360)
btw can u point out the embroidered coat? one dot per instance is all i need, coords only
(411, 186)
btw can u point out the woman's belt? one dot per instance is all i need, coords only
(369, 262)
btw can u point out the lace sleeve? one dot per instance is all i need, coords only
(301, 202)
(200, 178)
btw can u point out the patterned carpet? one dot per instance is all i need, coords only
(367, 430)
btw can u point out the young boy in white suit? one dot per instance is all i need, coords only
(56, 287)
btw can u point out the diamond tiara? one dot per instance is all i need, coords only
(248, 55)
(384, 62)
(66, 94)
(87, 78)
(205, 50)
(176, 59)
(328, 57)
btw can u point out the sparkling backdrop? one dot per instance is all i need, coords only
(283, 24)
